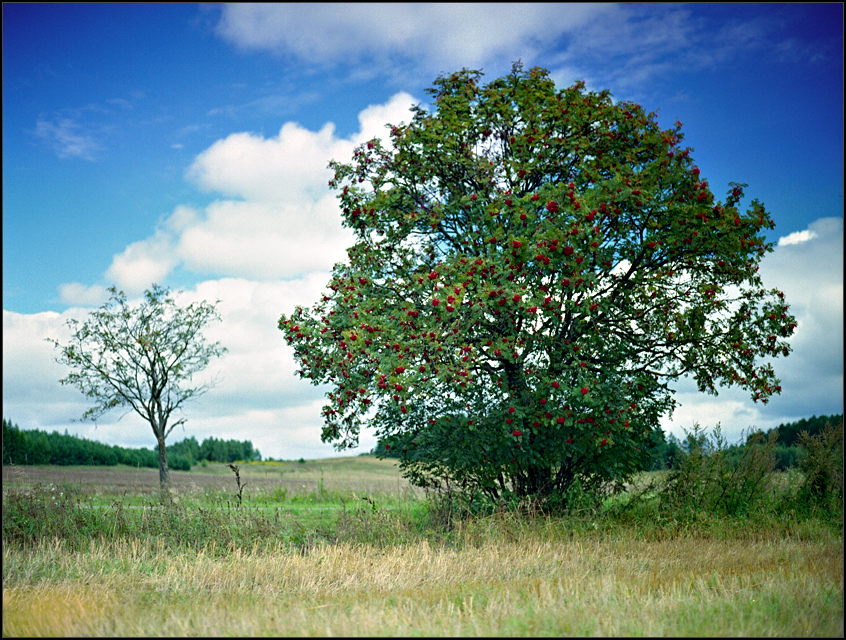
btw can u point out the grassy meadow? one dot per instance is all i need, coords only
(345, 547)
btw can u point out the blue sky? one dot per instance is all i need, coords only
(187, 145)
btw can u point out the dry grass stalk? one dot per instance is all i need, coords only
(535, 584)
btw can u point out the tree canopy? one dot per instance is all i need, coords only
(140, 358)
(533, 268)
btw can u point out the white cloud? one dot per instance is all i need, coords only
(31, 391)
(466, 34)
(732, 409)
(263, 241)
(796, 237)
(280, 218)
(290, 165)
(67, 138)
(143, 263)
(257, 396)
(259, 365)
(79, 295)
(624, 47)
(811, 275)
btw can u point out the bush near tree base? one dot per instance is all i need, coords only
(714, 478)
(533, 268)
(822, 466)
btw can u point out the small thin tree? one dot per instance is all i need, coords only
(141, 357)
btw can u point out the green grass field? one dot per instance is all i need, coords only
(345, 547)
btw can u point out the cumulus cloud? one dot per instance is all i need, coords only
(249, 166)
(80, 295)
(811, 275)
(143, 263)
(256, 395)
(733, 410)
(278, 217)
(32, 394)
(259, 365)
(621, 46)
(259, 240)
(796, 237)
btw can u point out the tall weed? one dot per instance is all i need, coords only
(44, 513)
(713, 479)
(822, 465)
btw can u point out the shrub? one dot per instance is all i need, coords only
(709, 477)
(822, 465)
(786, 457)
(178, 462)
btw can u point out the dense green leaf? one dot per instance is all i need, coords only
(533, 268)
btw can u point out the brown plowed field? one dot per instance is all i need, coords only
(364, 476)
(120, 479)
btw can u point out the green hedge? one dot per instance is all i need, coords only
(31, 446)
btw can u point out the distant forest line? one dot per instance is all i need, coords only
(32, 446)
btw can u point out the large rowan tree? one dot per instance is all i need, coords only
(533, 268)
(141, 357)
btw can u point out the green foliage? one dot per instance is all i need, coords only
(533, 268)
(710, 477)
(47, 513)
(385, 451)
(213, 521)
(215, 450)
(822, 465)
(788, 434)
(179, 462)
(788, 451)
(20, 448)
(219, 450)
(31, 446)
(786, 457)
(664, 451)
(140, 358)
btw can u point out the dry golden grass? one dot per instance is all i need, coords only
(497, 581)
(504, 575)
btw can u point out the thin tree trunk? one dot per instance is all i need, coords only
(164, 472)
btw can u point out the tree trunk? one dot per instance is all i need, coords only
(164, 472)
